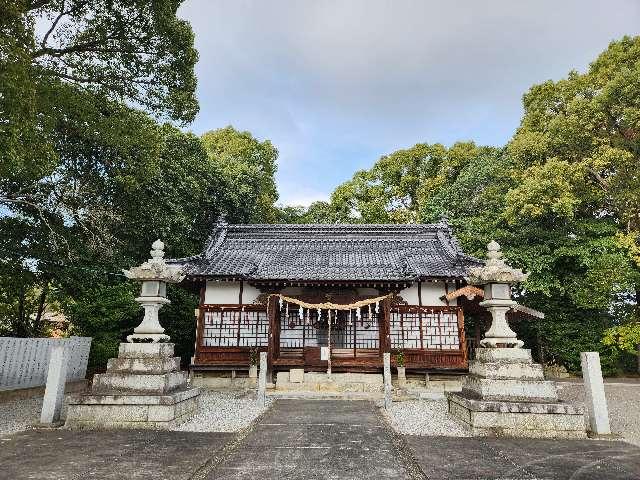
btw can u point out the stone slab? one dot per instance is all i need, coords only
(170, 399)
(142, 412)
(594, 393)
(315, 440)
(107, 455)
(517, 407)
(124, 383)
(503, 354)
(510, 390)
(498, 419)
(451, 458)
(370, 378)
(56, 380)
(296, 375)
(507, 370)
(143, 365)
(141, 350)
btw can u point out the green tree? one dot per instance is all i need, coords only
(250, 166)
(578, 193)
(82, 62)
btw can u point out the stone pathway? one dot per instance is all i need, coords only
(107, 455)
(308, 439)
(315, 439)
(449, 458)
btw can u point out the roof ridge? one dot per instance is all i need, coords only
(304, 226)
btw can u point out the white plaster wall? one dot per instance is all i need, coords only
(228, 292)
(431, 293)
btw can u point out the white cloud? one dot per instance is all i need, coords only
(335, 84)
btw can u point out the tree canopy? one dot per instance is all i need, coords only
(562, 198)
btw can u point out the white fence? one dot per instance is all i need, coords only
(24, 361)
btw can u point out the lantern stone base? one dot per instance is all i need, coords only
(142, 388)
(505, 394)
(518, 419)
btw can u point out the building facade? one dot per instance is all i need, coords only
(352, 292)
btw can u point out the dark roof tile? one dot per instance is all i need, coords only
(330, 252)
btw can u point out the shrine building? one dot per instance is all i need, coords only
(358, 290)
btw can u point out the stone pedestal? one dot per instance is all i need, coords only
(142, 388)
(506, 394)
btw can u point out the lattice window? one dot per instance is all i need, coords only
(347, 332)
(424, 328)
(235, 328)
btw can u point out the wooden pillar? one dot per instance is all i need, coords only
(461, 335)
(272, 314)
(199, 326)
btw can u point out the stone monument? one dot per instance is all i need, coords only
(505, 393)
(143, 387)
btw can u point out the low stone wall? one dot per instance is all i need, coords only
(297, 380)
(74, 386)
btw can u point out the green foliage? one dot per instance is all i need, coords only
(249, 166)
(623, 337)
(317, 212)
(562, 198)
(400, 358)
(106, 312)
(87, 182)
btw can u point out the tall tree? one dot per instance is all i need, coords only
(250, 166)
(64, 64)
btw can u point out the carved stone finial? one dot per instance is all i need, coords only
(157, 250)
(495, 269)
(156, 268)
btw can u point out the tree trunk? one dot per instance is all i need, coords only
(37, 329)
(21, 327)
(638, 319)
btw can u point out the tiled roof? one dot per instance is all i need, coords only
(330, 252)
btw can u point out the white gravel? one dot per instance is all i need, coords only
(425, 417)
(224, 412)
(19, 415)
(623, 402)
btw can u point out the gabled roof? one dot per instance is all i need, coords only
(354, 252)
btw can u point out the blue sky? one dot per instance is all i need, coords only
(336, 84)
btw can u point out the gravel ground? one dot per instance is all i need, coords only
(425, 417)
(18, 415)
(224, 412)
(623, 401)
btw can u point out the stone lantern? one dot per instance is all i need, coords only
(154, 275)
(497, 278)
(144, 387)
(505, 393)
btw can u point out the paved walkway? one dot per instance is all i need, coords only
(307, 439)
(315, 439)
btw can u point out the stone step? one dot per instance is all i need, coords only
(143, 365)
(503, 354)
(145, 350)
(510, 390)
(507, 370)
(121, 383)
(327, 386)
